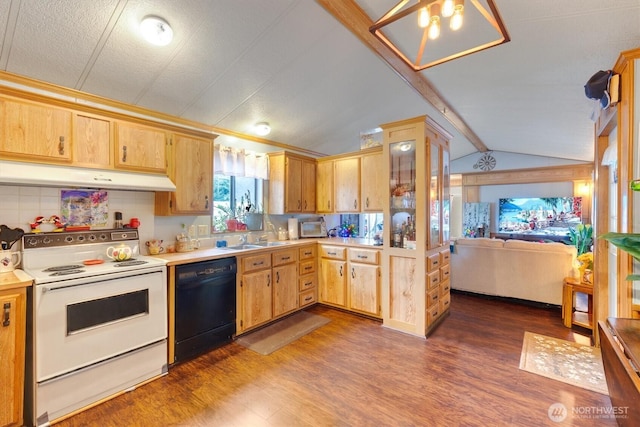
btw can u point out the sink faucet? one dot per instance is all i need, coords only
(243, 239)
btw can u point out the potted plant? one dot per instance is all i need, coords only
(251, 212)
(581, 237)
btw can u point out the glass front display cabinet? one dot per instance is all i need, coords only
(416, 242)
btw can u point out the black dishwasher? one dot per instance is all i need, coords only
(205, 307)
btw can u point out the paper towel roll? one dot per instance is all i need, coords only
(293, 228)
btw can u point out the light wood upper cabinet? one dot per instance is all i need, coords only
(324, 187)
(140, 148)
(292, 184)
(34, 132)
(308, 186)
(372, 182)
(92, 144)
(347, 184)
(191, 170)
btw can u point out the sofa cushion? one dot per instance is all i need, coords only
(539, 246)
(481, 241)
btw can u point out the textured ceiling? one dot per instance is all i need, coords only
(233, 63)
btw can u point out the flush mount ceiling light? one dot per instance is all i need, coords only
(156, 31)
(416, 26)
(262, 128)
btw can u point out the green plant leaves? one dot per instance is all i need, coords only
(628, 242)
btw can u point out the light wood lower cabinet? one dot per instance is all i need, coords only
(438, 287)
(307, 275)
(12, 348)
(333, 275)
(268, 287)
(350, 278)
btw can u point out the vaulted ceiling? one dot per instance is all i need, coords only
(291, 63)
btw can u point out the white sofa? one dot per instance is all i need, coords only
(513, 268)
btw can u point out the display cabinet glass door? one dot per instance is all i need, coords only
(434, 238)
(402, 158)
(446, 196)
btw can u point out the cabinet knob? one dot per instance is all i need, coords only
(366, 203)
(340, 271)
(277, 277)
(353, 273)
(124, 153)
(355, 203)
(61, 146)
(299, 205)
(206, 202)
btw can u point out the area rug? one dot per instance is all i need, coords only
(569, 362)
(273, 337)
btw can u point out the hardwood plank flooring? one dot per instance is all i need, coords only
(354, 372)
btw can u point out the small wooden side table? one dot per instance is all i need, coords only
(569, 316)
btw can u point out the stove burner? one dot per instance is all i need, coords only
(63, 268)
(65, 272)
(130, 262)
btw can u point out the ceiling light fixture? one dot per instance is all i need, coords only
(262, 128)
(411, 35)
(156, 31)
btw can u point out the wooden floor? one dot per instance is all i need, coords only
(354, 372)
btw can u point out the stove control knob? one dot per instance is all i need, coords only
(80, 238)
(68, 239)
(92, 237)
(32, 241)
(46, 240)
(103, 237)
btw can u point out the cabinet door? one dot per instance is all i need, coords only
(347, 181)
(192, 172)
(324, 187)
(364, 288)
(256, 299)
(372, 183)
(12, 342)
(333, 283)
(92, 145)
(293, 184)
(308, 186)
(285, 289)
(140, 148)
(34, 131)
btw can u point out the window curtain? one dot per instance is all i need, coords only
(238, 162)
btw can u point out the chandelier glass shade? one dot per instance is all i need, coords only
(425, 33)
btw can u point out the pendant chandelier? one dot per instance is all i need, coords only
(437, 31)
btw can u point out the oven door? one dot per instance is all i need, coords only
(83, 321)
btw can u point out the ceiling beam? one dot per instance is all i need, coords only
(351, 15)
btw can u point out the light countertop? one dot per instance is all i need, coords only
(15, 279)
(206, 254)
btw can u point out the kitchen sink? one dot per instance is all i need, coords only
(241, 247)
(267, 244)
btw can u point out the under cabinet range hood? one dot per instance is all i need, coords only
(19, 173)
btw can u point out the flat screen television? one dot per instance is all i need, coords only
(551, 216)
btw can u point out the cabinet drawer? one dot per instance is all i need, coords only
(256, 262)
(445, 256)
(432, 297)
(444, 303)
(433, 313)
(307, 267)
(445, 287)
(308, 252)
(365, 256)
(444, 272)
(433, 262)
(333, 252)
(307, 297)
(284, 257)
(433, 279)
(307, 282)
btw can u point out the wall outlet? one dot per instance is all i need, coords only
(192, 231)
(203, 230)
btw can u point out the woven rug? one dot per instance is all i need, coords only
(569, 362)
(273, 337)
